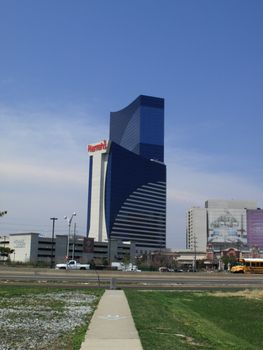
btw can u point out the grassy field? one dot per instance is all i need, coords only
(198, 320)
(40, 318)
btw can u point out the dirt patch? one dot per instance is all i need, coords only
(187, 339)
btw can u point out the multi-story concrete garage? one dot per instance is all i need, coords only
(127, 178)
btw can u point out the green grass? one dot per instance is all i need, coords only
(194, 320)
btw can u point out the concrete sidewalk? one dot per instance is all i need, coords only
(112, 326)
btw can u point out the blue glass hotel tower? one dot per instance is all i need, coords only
(131, 176)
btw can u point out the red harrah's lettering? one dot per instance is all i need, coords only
(98, 147)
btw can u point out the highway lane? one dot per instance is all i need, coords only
(147, 280)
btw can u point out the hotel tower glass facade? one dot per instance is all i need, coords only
(127, 180)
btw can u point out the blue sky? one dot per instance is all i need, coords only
(66, 64)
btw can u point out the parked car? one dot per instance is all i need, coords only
(163, 269)
(116, 265)
(167, 269)
(132, 268)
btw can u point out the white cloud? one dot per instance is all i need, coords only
(33, 173)
(42, 135)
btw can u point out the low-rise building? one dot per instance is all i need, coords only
(34, 248)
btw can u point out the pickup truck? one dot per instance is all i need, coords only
(72, 265)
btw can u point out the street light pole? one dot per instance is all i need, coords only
(109, 248)
(69, 225)
(74, 238)
(52, 242)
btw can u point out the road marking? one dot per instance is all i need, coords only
(113, 317)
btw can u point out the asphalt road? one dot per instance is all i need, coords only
(144, 280)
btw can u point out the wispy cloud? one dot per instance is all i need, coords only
(195, 183)
(47, 137)
(32, 173)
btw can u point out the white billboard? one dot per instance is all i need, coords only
(227, 226)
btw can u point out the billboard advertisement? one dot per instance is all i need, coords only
(227, 226)
(255, 227)
(88, 245)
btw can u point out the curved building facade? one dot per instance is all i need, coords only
(139, 127)
(127, 182)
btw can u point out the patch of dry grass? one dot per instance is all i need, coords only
(45, 320)
(247, 293)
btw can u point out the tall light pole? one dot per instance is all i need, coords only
(52, 242)
(69, 225)
(194, 262)
(109, 248)
(74, 238)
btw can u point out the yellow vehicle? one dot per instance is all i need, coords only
(248, 265)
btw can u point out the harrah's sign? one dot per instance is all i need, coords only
(98, 147)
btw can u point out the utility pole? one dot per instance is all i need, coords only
(52, 242)
(109, 249)
(74, 237)
(194, 262)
